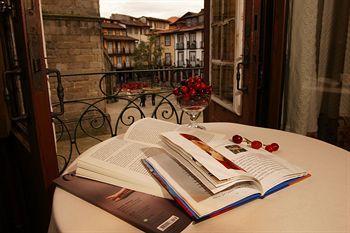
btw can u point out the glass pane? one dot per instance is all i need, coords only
(217, 10)
(229, 42)
(227, 83)
(216, 46)
(229, 9)
(215, 79)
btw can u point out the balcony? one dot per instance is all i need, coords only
(167, 63)
(121, 98)
(180, 46)
(180, 63)
(126, 50)
(191, 44)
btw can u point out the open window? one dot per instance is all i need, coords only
(226, 52)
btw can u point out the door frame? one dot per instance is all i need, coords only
(30, 152)
(273, 63)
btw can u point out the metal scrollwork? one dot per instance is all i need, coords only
(94, 124)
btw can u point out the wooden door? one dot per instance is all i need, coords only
(28, 155)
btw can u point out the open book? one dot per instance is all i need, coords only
(207, 178)
(201, 170)
(118, 161)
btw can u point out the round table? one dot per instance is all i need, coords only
(320, 203)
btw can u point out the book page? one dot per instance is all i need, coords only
(148, 131)
(189, 189)
(120, 160)
(209, 181)
(269, 169)
(194, 148)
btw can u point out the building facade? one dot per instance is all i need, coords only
(155, 23)
(166, 39)
(189, 40)
(118, 46)
(135, 27)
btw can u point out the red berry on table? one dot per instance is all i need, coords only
(269, 148)
(256, 144)
(184, 89)
(237, 139)
(275, 146)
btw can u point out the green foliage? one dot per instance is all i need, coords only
(148, 55)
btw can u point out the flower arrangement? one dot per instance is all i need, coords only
(131, 86)
(193, 88)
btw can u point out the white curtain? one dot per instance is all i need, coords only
(314, 51)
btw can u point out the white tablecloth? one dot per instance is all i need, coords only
(320, 203)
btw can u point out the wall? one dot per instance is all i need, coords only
(74, 45)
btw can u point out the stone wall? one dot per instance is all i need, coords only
(74, 45)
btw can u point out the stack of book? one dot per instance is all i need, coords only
(202, 171)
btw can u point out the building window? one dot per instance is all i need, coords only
(192, 44)
(193, 37)
(157, 41)
(127, 61)
(167, 59)
(109, 47)
(192, 56)
(110, 32)
(180, 41)
(167, 40)
(129, 30)
(119, 62)
(180, 38)
(180, 59)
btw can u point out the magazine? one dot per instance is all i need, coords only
(207, 178)
(147, 212)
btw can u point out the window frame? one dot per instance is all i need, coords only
(167, 42)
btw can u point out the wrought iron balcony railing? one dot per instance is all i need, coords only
(191, 44)
(180, 45)
(121, 98)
